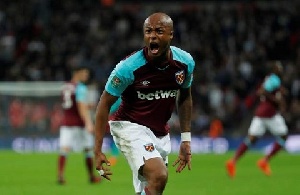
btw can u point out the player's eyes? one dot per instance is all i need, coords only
(160, 31)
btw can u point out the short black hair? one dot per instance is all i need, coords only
(79, 68)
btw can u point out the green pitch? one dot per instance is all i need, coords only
(35, 174)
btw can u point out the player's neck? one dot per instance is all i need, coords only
(162, 61)
(75, 80)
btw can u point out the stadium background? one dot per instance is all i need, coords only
(232, 42)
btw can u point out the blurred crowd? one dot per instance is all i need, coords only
(232, 42)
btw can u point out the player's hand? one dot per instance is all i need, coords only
(100, 160)
(184, 157)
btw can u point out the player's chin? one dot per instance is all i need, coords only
(158, 52)
(154, 54)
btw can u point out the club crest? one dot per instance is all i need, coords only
(149, 147)
(145, 83)
(179, 77)
(115, 81)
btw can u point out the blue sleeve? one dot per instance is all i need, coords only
(122, 75)
(185, 58)
(188, 81)
(272, 83)
(118, 81)
(81, 93)
(115, 106)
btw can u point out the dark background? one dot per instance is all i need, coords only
(232, 42)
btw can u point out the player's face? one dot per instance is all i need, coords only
(278, 69)
(84, 75)
(157, 36)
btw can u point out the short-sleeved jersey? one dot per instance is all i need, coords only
(148, 92)
(71, 94)
(266, 108)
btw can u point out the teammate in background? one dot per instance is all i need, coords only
(77, 127)
(267, 116)
(151, 82)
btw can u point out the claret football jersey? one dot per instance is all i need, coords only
(149, 92)
(266, 108)
(71, 94)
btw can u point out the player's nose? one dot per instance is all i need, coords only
(152, 35)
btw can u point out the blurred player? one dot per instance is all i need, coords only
(267, 116)
(150, 82)
(77, 126)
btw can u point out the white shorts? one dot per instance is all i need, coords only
(138, 143)
(276, 125)
(76, 138)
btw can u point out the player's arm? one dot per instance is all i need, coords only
(282, 94)
(84, 113)
(102, 115)
(117, 82)
(83, 107)
(184, 108)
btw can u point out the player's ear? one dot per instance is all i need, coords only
(171, 35)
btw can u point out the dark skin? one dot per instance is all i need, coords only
(158, 30)
(158, 33)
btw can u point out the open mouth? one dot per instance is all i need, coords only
(154, 48)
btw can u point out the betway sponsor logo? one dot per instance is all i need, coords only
(157, 95)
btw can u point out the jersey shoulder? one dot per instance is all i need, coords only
(131, 63)
(81, 88)
(81, 85)
(274, 78)
(272, 82)
(183, 57)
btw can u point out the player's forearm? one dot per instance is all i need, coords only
(100, 127)
(282, 104)
(84, 113)
(184, 112)
(184, 107)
